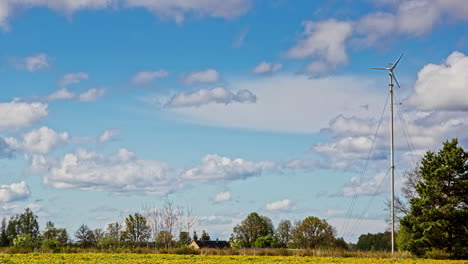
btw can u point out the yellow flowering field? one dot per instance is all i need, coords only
(175, 259)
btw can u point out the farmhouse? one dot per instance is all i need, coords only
(217, 244)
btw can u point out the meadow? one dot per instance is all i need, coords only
(208, 259)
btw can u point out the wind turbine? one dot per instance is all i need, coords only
(392, 163)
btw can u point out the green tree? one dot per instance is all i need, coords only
(3, 234)
(136, 229)
(204, 236)
(283, 233)
(313, 233)
(251, 228)
(195, 236)
(265, 242)
(374, 242)
(57, 235)
(85, 236)
(164, 240)
(23, 224)
(437, 218)
(184, 238)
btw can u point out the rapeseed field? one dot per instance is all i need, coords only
(176, 259)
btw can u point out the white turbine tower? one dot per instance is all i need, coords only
(392, 164)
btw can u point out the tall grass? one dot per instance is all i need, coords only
(228, 251)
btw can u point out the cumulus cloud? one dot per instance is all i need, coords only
(206, 76)
(416, 132)
(41, 140)
(146, 77)
(36, 62)
(14, 192)
(222, 197)
(444, 86)
(177, 10)
(217, 95)
(61, 94)
(19, 114)
(365, 186)
(92, 94)
(72, 78)
(412, 17)
(324, 41)
(280, 206)
(348, 147)
(217, 168)
(267, 67)
(118, 173)
(6, 151)
(67, 7)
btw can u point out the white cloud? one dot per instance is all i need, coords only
(18, 114)
(443, 87)
(217, 95)
(324, 41)
(290, 103)
(222, 197)
(217, 168)
(267, 67)
(177, 10)
(108, 135)
(67, 7)
(14, 192)
(36, 62)
(410, 17)
(41, 140)
(6, 151)
(280, 206)
(146, 77)
(348, 147)
(61, 94)
(120, 173)
(92, 94)
(365, 186)
(73, 78)
(39, 163)
(206, 76)
(334, 212)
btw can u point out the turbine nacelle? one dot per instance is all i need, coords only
(390, 70)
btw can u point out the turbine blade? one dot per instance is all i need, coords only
(396, 63)
(394, 78)
(380, 68)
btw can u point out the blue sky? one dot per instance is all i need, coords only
(229, 108)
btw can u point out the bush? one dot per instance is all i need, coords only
(50, 244)
(437, 254)
(23, 241)
(185, 250)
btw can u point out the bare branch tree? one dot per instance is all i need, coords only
(153, 216)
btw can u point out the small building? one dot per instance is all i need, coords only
(216, 244)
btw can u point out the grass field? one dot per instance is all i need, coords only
(175, 259)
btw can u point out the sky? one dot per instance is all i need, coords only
(228, 107)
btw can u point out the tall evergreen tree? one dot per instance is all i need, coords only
(438, 216)
(3, 234)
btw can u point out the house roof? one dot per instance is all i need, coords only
(212, 243)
